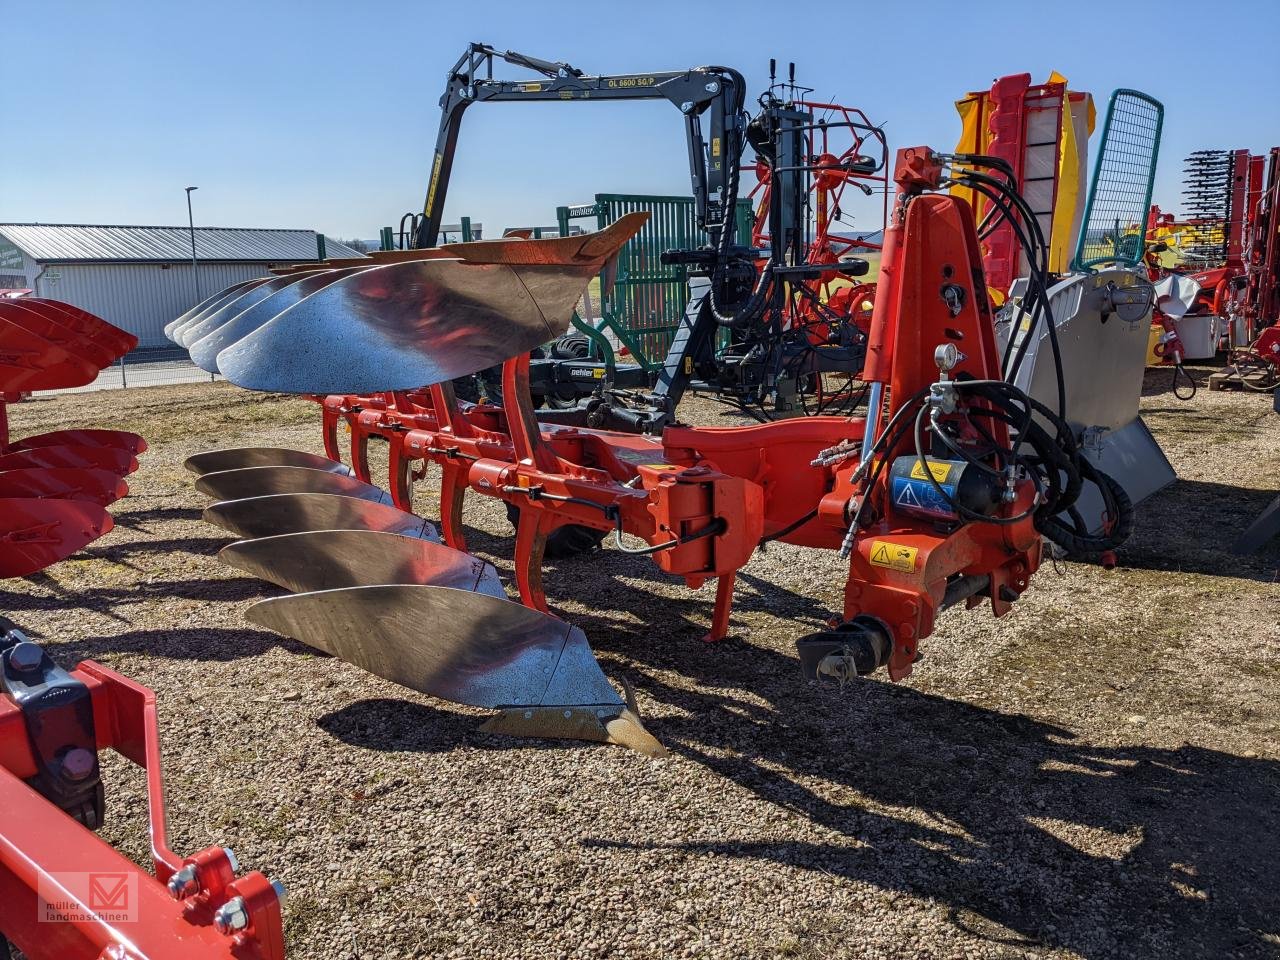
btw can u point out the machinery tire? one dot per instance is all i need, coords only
(566, 542)
(569, 346)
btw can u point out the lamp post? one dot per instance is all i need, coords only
(195, 274)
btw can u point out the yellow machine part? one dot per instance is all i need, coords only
(1079, 118)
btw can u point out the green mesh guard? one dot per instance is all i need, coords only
(1115, 218)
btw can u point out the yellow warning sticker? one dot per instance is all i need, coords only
(940, 471)
(598, 373)
(662, 466)
(531, 87)
(895, 556)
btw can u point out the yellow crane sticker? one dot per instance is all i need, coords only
(895, 556)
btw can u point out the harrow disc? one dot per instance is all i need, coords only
(332, 559)
(35, 534)
(30, 362)
(111, 439)
(47, 324)
(265, 481)
(118, 341)
(215, 461)
(284, 513)
(119, 462)
(93, 486)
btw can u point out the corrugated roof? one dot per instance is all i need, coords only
(71, 242)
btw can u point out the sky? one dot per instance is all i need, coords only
(323, 115)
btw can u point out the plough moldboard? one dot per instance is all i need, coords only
(55, 487)
(939, 495)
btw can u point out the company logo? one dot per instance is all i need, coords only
(81, 896)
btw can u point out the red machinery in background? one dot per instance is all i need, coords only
(64, 893)
(816, 305)
(55, 487)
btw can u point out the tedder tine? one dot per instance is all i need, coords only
(283, 513)
(237, 458)
(38, 533)
(204, 307)
(102, 487)
(468, 648)
(331, 559)
(205, 350)
(112, 439)
(264, 481)
(233, 308)
(119, 462)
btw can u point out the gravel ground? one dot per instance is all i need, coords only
(1095, 775)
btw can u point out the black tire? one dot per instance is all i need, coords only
(566, 542)
(570, 346)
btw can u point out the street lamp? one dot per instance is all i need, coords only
(195, 275)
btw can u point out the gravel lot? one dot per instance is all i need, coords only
(1095, 775)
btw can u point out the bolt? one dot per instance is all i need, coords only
(231, 916)
(231, 859)
(79, 763)
(183, 883)
(26, 657)
(278, 887)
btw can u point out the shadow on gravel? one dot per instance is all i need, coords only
(110, 600)
(1219, 513)
(119, 552)
(133, 519)
(389, 725)
(1106, 851)
(218, 644)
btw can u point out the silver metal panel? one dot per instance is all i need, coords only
(250, 296)
(405, 325)
(1133, 458)
(237, 458)
(332, 559)
(204, 350)
(72, 242)
(216, 306)
(459, 646)
(282, 513)
(265, 481)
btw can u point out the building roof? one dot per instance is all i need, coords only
(77, 242)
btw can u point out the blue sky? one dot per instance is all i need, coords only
(323, 114)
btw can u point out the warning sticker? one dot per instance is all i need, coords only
(923, 497)
(895, 556)
(940, 471)
(662, 466)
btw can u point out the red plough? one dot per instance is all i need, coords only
(54, 487)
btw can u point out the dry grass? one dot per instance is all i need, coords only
(1093, 776)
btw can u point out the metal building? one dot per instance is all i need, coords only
(140, 278)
